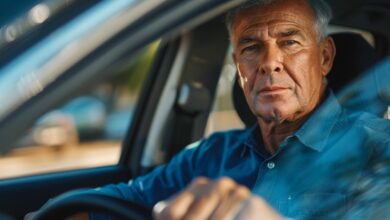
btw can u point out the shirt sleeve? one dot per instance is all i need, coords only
(169, 179)
(159, 184)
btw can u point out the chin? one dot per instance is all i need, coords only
(276, 114)
(272, 116)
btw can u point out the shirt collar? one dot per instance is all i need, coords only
(315, 131)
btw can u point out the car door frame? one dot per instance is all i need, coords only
(35, 190)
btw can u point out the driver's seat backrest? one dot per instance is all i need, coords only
(354, 56)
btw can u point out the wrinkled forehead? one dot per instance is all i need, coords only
(289, 12)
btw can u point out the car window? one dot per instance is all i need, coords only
(44, 61)
(223, 115)
(86, 131)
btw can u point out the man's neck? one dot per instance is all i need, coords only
(273, 134)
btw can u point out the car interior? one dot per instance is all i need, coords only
(181, 90)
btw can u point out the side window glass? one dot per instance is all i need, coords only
(224, 116)
(86, 131)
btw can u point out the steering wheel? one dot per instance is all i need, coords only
(74, 202)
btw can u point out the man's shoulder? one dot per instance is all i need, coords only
(232, 135)
(222, 140)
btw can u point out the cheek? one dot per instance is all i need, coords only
(304, 71)
(247, 73)
(307, 79)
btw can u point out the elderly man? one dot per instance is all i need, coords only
(307, 158)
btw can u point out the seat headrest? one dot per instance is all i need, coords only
(354, 56)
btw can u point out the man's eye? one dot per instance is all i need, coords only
(290, 42)
(251, 48)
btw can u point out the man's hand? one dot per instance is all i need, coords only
(219, 199)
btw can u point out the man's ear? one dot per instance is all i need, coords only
(328, 53)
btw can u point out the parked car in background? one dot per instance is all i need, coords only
(132, 82)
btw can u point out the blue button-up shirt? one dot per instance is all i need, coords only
(336, 164)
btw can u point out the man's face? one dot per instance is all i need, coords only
(280, 62)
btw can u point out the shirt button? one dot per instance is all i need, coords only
(271, 165)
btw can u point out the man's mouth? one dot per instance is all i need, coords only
(272, 89)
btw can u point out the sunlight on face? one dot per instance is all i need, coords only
(280, 63)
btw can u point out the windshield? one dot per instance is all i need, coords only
(31, 71)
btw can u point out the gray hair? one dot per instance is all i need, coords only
(322, 12)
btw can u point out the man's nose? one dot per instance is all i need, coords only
(271, 60)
